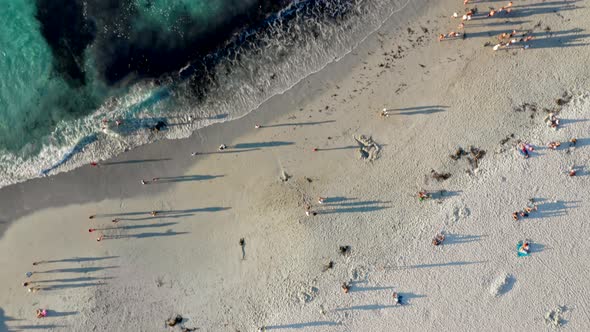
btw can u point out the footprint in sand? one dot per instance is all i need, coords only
(459, 213)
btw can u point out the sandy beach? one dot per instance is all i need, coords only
(230, 247)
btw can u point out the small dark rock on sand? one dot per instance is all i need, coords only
(344, 250)
(458, 154)
(565, 98)
(439, 176)
(328, 266)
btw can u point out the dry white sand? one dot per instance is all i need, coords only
(188, 260)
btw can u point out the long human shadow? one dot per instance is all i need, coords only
(559, 41)
(535, 247)
(348, 147)
(229, 151)
(137, 226)
(77, 270)
(293, 124)
(184, 178)
(75, 260)
(567, 122)
(301, 325)
(358, 203)
(492, 24)
(538, 35)
(419, 112)
(416, 108)
(143, 235)
(261, 145)
(48, 327)
(368, 307)
(546, 3)
(354, 288)
(79, 279)
(460, 239)
(53, 313)
(428, 266)
(66, 286)
(521, 12)
(134, 161)
(4, 319)
(553, 209)
(354, 207)
(409, 296)
(168, 212)
(172, 216)
(580, 143)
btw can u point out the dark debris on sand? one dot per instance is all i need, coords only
(439, 176)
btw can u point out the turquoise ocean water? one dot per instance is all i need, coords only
(152, 63)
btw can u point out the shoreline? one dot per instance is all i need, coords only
(181, 125)
(309, 86)
(441, 96)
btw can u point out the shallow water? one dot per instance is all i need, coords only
(148, 63)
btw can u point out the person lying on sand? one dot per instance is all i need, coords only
(422, 195)
(515, 215)
(438, 239)
(524, 149)
(552, 121)
(321, 200)
(553, 145)
(40, 313)
(451, 34)
(524, 249)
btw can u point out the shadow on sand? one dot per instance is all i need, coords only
(260, 145)
(346, 205)
(428, 266)
(294, 124)
(302, 325)
(134, 161)
(162, 213)
(184, 178)
(75, 260)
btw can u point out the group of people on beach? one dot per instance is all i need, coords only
(505, 40)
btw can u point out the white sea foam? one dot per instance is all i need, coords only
(282, 55)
